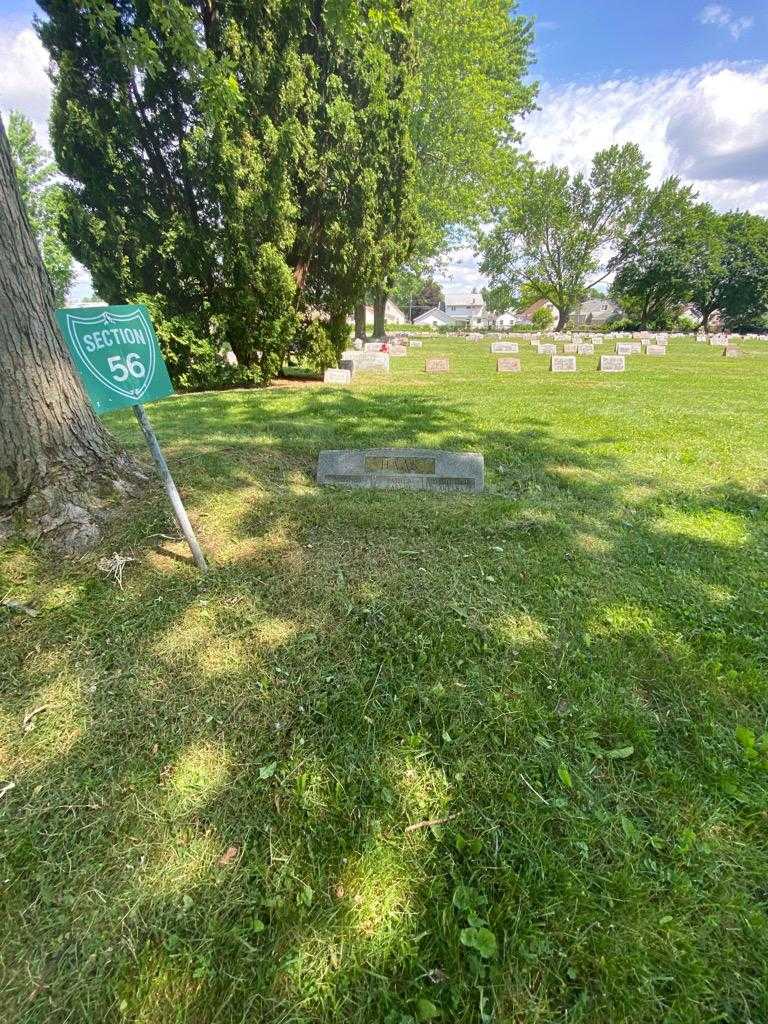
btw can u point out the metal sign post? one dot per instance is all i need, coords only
(115, 351)
(170, 488)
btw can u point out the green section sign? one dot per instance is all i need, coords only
(117, 355)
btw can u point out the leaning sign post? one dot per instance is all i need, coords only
(115, 352)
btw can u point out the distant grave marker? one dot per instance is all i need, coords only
(508, 366)
(624, 348)
(372, 362)
(398, 350)
(332, 376)
(563, 364)
(412, 469)
(414, 343)
(437, 365)
(547, 350)
(613, 364)
(655, 350)
(571, 348)
(731, 352)
(499, 347)
(586, 350)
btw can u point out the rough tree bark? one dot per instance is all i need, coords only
(379, 313)
(59, 468)
(562, 318)
(360, 324)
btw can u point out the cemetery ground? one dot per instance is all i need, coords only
(406, 756)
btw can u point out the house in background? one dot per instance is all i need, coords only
(392, 315)
(434, 318)
(595, 311)
(467, 309)
(512, 318)
(529, 312)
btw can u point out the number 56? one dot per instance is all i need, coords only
(132, 367)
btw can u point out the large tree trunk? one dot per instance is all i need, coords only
(58, 466)
(379, 313)
(360, 324)
(562, 319)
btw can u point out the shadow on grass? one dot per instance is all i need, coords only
(553, 673)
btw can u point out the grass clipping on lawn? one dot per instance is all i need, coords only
(404, 757)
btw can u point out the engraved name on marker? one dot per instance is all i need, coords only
(413, 469)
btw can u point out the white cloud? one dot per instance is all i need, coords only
(724, 17)
(708, 125)
(24, 83)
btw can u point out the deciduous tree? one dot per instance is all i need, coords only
(654, 278)
(557, 234)
(58, 466)
(471, 63)
(43, 201)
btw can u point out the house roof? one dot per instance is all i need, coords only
(437, 313)
(464, 299)
(535, 307)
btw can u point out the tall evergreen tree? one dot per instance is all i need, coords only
(237, 159)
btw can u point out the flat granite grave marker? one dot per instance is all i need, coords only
(332, 376)
(411, 469)
(623, 348)
(416, 344)
(655, 350)
(547, 350)
(613, 364)
(508, 366)
(571, 348)
(398, 350)
(563, 364)
(439, 365)
(731, 352)
(372, 362)
(586, 350)
(499, 347)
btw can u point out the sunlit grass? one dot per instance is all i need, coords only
(293, 790)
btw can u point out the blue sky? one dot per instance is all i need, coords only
(685, 79)
(591, 40)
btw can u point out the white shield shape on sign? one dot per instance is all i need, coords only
(132, 346)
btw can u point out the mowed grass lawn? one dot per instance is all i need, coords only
(212, 817)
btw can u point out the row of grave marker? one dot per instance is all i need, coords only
(371, 359)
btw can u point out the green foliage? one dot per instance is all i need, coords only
(43, 200)
(654, 263)
(543, 319)
(416, 294)
(194, 360)
(552, 228)
(729, 270)
(472, 58)
(245, 163)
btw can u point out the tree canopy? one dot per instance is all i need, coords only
(654, 263)
(42, 197)
(473, 56)
(556, 233)
(245, 164)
